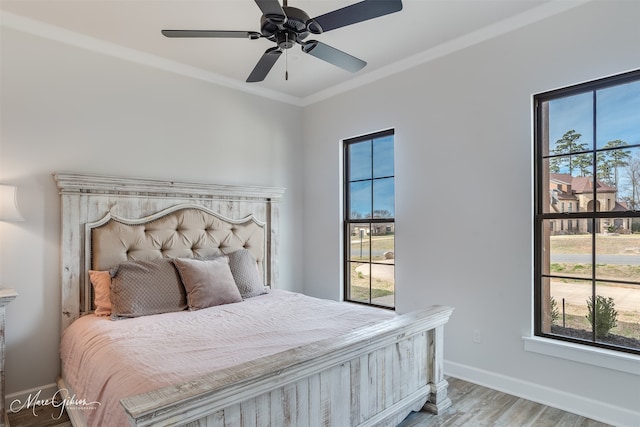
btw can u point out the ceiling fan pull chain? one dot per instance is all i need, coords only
(286, 59)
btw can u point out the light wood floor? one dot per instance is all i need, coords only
(473, 406)
(45, 416)
(477, 406)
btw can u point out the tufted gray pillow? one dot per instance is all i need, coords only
(141, 288)
(244, 268)
(207, 282)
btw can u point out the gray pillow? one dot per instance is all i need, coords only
(244, 268)
(141, 288)
(207, 282)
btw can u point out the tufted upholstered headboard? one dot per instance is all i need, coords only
(107, 220)
(181, 231)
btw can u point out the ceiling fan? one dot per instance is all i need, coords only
(286, 26)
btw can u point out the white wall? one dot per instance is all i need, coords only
(70, 110)
(462, 126)
(464, 195)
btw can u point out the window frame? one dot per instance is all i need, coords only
(347, 221)
(541, 199)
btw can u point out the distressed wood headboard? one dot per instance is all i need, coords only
(88, 201)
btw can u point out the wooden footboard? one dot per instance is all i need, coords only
(372, 376)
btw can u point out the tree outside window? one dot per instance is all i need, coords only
(587, 259)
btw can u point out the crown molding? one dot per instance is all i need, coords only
(546, 10)
(38, 28)
(52, 32)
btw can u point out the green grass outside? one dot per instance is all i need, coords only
(360, 286)
(575, 315)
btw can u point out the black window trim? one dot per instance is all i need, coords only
(347, 209)
(540, 199)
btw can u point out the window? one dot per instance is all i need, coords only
(369, 225)
(587, 273)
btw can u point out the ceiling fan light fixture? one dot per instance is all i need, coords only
(285, 39)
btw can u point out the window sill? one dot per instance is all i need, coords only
(603, 358)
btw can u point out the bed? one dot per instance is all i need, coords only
(270, 358)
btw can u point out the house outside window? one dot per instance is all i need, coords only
(587, 265)
(369, 220)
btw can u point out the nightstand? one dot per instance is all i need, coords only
(6, 296)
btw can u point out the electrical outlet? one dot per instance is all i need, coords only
(477, 336)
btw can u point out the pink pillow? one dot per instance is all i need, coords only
(101, 281)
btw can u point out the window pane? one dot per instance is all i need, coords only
(359, 161)
(568, 193)
(568, 248)
(359, 281)
(359, 242)
(617, 179)
(383, 157)
(618, 252)
(571, 124)
(617, 314)
(618, 114)
(568, 312)
(383, 284)
(360, 200)
(571, 312)
(383, 198)
(382, 242)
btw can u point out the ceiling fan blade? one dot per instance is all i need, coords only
(264, 65)
(212, 33)
(358, 12)
(272, 11)
(333, 56)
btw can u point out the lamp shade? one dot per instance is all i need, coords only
(9, 204)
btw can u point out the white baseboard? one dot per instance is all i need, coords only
(573, 403)
(20, 398)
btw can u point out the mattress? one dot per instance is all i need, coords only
(104, 360)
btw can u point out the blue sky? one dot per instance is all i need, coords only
(361, 167)
(618, 115)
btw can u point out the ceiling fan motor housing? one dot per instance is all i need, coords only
(287, 26)
(293, 30)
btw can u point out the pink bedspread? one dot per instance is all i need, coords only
(104, 361)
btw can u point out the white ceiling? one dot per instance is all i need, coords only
(131, 28)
